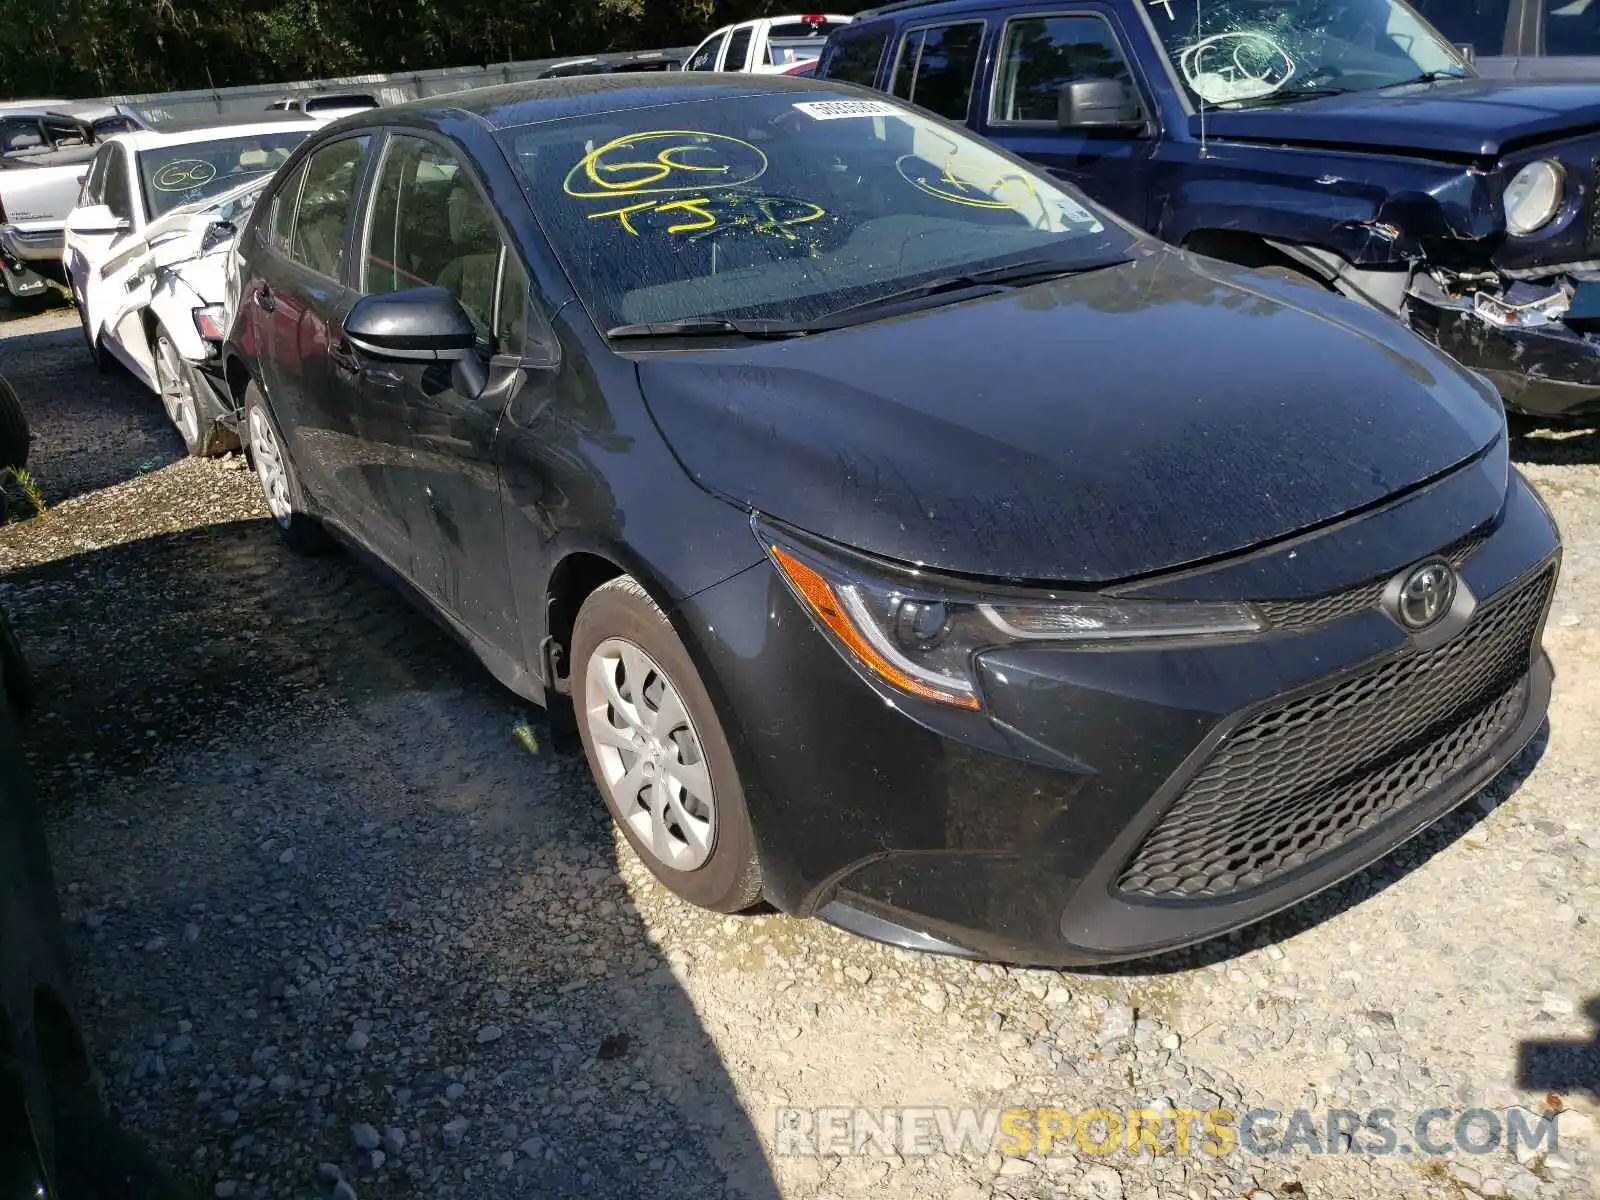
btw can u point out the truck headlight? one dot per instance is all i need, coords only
(919, 633)
(1533, 197)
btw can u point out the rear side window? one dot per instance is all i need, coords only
(738, 50)
(854, 59)
(937, 66)
(705, 58)
(280, 217)
(1039, 54)
(323, 216)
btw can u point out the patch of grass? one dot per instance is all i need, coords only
(22, 495)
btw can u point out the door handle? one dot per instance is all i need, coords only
(265, 300)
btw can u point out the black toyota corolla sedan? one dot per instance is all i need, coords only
(914, 545)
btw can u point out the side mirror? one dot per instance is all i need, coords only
(96, 218)
(1098, 104)
(1468, 52)
(425, 324)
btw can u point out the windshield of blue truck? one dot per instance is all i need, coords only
(1244, 53)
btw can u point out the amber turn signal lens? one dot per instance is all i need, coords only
(824, 601)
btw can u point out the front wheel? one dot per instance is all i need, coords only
(301, 531)
(180, 388)
(659, 753)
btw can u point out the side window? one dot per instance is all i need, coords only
(1481, 25)
(855, 59)
(431, 225)
(1039, 54)
(280, 217)
(509, 323)
(738, 49)
(118, 194)
(1569, 28)
(65, 133)
(94, 183)
(705, 58)
(937, 67)
(323, 215)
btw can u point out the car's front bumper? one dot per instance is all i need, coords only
(1081, 817)
(1545, 368)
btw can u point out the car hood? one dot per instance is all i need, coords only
(1467, 118)
(1091, 429)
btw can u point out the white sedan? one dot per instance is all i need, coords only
(145, 255)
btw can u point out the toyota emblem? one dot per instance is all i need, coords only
(1426, 594)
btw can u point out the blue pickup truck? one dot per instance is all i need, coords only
(1344, 140)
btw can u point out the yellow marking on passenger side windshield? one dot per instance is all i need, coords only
(664, 160)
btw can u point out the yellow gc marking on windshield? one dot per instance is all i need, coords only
(962, 185)
(664, 160)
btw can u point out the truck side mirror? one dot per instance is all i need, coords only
(1107, 104)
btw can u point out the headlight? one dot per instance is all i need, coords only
(1533, 197)
(919, 635)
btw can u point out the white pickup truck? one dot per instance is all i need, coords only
(768, 46)
(44, 155)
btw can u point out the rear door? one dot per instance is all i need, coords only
(431, 224)
(1038, 54)
(303, 285)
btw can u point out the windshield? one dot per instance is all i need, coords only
(1241, 52)
(785, 206)
(174, 175)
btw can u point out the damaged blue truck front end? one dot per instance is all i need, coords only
(1346, 140)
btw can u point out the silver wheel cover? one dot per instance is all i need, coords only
(270, 469)
(648, 755)
(177, 391)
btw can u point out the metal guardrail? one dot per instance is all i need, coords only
(388, 89)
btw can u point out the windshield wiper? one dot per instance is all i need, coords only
(710, 327)
(998, 278)
(1289, 96)
(1428, 77)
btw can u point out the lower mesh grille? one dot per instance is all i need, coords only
(1299, 780)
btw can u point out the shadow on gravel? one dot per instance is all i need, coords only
(332, 921)
(90, 430)
(1358, 889)
(1563, 446)
(1563, 1066)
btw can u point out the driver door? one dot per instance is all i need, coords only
(1038, 54)
(104, 268)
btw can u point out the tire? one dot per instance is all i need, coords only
(280, 487)
(717, 868)
(15, 437)
(181, 388)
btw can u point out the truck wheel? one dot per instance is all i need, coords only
(181, 390)
(15, 437)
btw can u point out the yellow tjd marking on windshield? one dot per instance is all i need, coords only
(722, 212)
(965, 190)
(682, 160)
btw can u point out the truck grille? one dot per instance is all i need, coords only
(1304, 777)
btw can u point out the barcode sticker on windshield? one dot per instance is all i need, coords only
(834, 110)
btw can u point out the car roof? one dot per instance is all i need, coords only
(510, 105)
(209, 125)
(147, 139)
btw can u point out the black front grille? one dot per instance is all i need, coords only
(1302, 614)
(1300, 779)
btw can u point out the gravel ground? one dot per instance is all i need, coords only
(339, 930)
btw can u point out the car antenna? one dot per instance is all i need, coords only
(1199, 30)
